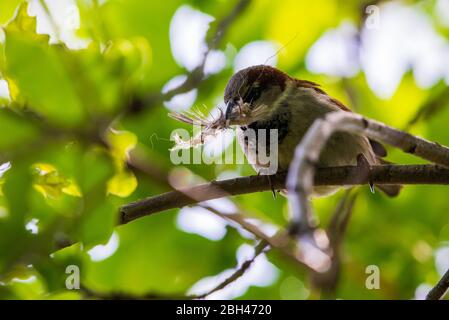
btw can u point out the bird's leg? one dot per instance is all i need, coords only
(365, 168)
(271, 186)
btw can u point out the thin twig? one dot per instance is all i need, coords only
(280, 241)
(240, 220)
(339, 221)
(327, 282)
(197, 75)
(440, 288)
(430, 108)
(226, 22)
(237, 273)
(92, 294)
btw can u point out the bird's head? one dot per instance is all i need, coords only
(254, 89)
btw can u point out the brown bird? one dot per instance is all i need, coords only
(291, 106)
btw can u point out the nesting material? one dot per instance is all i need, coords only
(212, 126)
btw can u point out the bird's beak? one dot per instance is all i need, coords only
(232, 113)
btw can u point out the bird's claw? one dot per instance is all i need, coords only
(364, 165)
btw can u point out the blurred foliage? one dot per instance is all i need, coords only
(69, 126)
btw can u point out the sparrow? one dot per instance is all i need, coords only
(291, 106)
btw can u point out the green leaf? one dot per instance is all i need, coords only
(155, 257)
(98, 224)
(94, 171)
(16, 190)
(131, 18)
(43, 80)
(7, 10)
(12, 228)
(121, 142)
(253, 24)
(25, 24)
(122, 184)
(16, 131)
(101, 80)
(98, 216)
(296, 24)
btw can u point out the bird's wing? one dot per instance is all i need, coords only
(378, 148)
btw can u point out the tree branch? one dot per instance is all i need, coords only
(347, 175)
(440, 288)
(312, 253)
(300, 178)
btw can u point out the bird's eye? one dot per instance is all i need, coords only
(253, 94)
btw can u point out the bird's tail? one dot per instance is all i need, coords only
(390, 190)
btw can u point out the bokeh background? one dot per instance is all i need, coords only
(85, 88)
